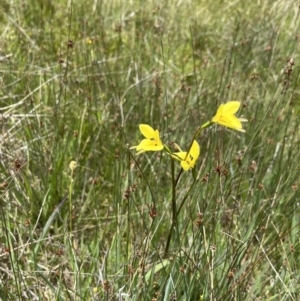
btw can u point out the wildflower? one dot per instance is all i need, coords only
(188, 160)
(225, 116)
(72, 165)
(152, 141)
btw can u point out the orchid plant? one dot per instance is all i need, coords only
(225, 116)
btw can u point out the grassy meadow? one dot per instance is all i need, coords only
(77, 78)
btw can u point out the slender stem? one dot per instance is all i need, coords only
(175, 216)
(169, 239)
(173, 191)
(197, 133)
(70, 199)
(184, 199)
(174, 210)
(178, 177)
(144, 178)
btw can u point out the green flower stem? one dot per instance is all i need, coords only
(175, 211)
(144, 177)
(206, 125)
(197, 134)
(175, 214)
(184, 199)
(178, 177)
(167, 150)
(173, 189)
(70, 199)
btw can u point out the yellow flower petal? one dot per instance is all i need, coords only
(152, 141)
(186, 166)
(147, 131)
(231, 107)
(149, 145)
(225, 116)
(179, 156)
(229, 121)
(195, 150)
(188, 160)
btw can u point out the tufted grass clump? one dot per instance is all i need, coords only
(82, 217)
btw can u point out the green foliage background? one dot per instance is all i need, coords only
(76, 80)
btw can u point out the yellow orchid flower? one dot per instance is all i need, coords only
(225, 116)
(188, 160)
(152, 141)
